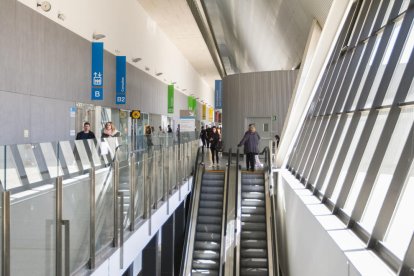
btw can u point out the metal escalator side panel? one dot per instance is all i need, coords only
(238, 223)
(224, 222)
(186, 269)
(268, 213)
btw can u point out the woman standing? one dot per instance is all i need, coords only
(251, 146)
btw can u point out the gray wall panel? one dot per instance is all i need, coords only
(260, 94)
(47, 70)
(8, 54)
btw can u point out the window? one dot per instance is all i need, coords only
(387, 168)
(365, 161)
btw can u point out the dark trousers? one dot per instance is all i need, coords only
(214, 152)
(250, 161)
(204, 141)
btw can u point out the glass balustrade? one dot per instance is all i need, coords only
(89, 190)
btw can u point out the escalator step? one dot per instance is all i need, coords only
(211, 204)
(253, 210)
(249, 226)
(211, 237)
(212, 183)
(253, 272)
(253, 218)
(253, 253)
(212, 190)
(209, 228)
(213, 176)
(202, 272)
(247, 244)
(252, 188)
(210, 212)
(206, 255)
(206, 245)
(252, 176)
(253, 202)
(253, 195)
(209, 219)
(206, 264)
(253, 262)
(251, 181)
(253, 235)
(215, 197)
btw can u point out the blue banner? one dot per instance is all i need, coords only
(121, 80)
(218, 102)
(97, 70)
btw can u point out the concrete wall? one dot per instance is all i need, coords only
(313, 241)
(260, 94)
(45, 70)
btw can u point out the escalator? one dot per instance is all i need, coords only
(207, 246)
(204, 247)
(253, 244)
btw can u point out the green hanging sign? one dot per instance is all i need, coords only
(194, 104)
(190, 103)
(171, 98)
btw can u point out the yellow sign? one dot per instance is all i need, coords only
(211, 114)
(136, 114)
(204, 112)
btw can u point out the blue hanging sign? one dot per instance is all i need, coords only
(97, 70)
(121, 80)
(218, 102)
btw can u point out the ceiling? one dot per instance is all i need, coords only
(251, 35)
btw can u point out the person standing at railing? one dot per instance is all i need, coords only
(214, 144)
(250, 142)
(110, 131)
(203, 136)
(86, 133)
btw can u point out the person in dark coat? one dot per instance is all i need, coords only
(208, 134)
(86, 133)
(250, 142)
(203, 136)
(214, 144)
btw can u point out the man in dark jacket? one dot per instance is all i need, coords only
(86, 133)
(250, 142)
(203, 136)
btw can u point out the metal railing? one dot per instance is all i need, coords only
(73, 221)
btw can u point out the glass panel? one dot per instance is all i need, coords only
(82, 154)
(387, 14)
(365, 161)
(32, 235)
(76, 208)
(349, 154)
(401, 227)
(159, 175)
(52, 162)
(404, 6)
(9, 176)
(29, 162)
(94, 150)
(67, 152)
(336, 154)
(124, 187)
(139, 190)
(104, 195)
(391, 43)
(408, 47)
(387, 169)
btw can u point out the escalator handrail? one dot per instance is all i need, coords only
(227, 192)
(236, 214)
(190, 215)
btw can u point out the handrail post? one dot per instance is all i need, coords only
(132, 180)
(144, 165)
(6, 234)
(58, 221)
(66, 224)
(115, 199)
(121, 232)
(92, 218)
